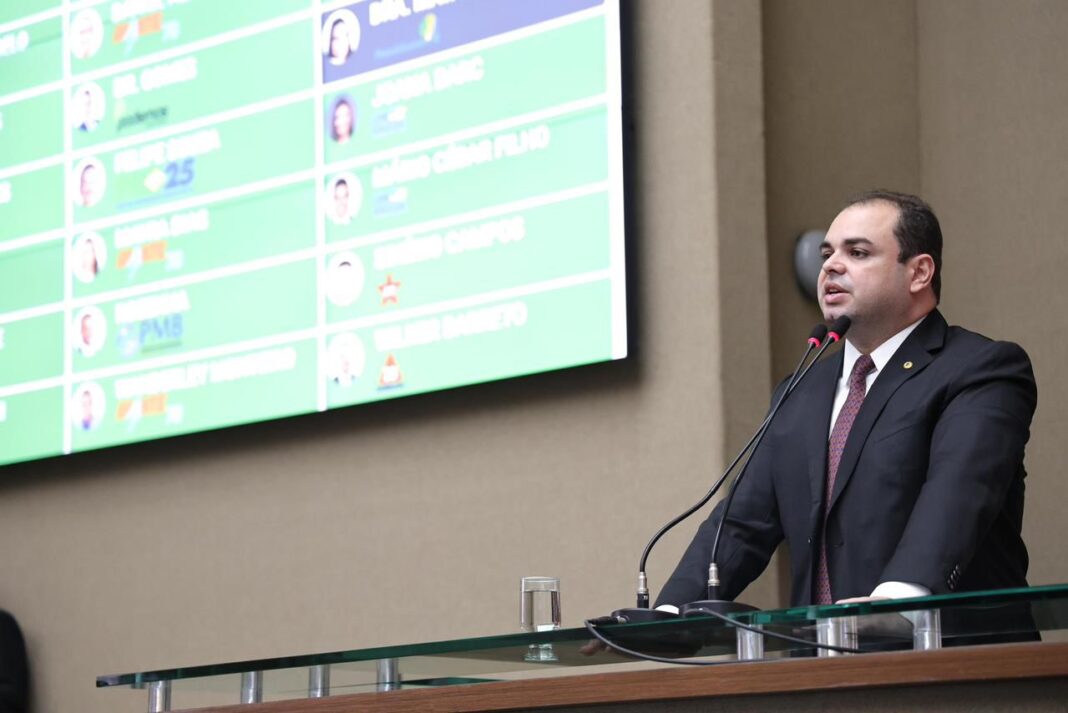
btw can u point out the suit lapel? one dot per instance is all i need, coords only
(917, 350)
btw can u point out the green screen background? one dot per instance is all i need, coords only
(199, 275)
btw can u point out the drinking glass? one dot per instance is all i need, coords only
(539, 610)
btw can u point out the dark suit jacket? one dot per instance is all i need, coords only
(13, 669)
(929, 490)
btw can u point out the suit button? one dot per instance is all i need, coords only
(810, 540)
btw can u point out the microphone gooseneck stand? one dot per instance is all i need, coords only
(714, 603)
(822, 338)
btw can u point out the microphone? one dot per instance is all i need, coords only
(839, 327)
(713, 603)
(642, 612)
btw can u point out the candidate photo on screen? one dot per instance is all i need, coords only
(341, 37)
(90, 181)
(344, 279)
(344, 194)
(89, 255)
(342, 119)
(90, 330)
(344, 359)
(86, 33)
(87, 107)
(87, 406)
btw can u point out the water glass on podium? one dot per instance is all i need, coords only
(539, 610)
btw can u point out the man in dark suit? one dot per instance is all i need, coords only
(13, 669)
(896, 468)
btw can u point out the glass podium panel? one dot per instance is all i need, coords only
(1000, 616)
(1030, 614)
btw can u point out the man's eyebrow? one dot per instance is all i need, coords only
(849, 243)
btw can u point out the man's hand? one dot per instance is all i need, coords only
(857, 600)
(592, 647)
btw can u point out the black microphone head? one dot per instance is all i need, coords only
(819, 332)
(839, 327)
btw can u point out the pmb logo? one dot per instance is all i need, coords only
(151, 335)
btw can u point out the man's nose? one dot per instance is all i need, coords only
(833, 264)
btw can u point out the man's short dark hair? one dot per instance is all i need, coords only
(917, 230)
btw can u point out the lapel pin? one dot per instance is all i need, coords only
(907, 365)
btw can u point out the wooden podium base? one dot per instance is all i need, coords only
(1014, 677)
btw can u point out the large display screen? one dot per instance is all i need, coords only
(216, 212)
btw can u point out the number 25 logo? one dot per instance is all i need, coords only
(179, 173)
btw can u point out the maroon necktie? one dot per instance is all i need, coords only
(857, 388)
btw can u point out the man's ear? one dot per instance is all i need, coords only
(923, 270)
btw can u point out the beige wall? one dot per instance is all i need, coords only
(413, 520)
(994, 150)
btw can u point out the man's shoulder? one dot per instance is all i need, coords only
(967, 342)
(969, 358)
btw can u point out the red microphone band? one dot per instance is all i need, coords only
(839, 327)
(815, 339)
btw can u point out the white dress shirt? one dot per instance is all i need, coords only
(880, 355)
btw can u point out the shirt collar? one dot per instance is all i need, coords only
(882, 353)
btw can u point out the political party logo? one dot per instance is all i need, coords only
(175, 176)
(152, 323)
(150, 335)
(390, 121)
(134, 258)
(390, 376)
(130, 27)
(389, 202)
(153, 406)
(389, 290)
(136, 409)
(140, 119)
(428, 28)
(132, 30)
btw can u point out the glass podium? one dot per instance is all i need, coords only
(924, 623)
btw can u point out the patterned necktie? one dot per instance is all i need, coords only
(857, 388)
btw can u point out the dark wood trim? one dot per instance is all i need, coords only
(958, 665)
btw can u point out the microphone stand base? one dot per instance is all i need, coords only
(719, 606)
(677, 643)
(634, 615)
(722, 636)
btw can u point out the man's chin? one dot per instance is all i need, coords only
(832, 313)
